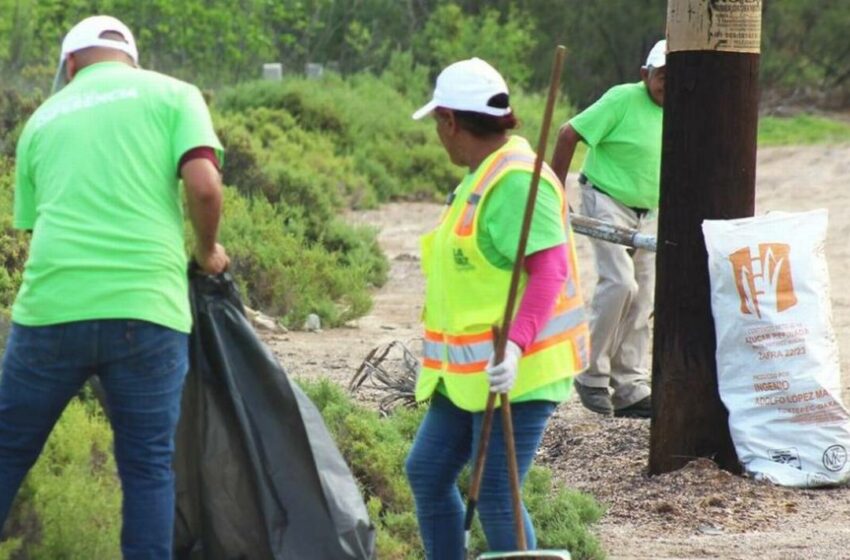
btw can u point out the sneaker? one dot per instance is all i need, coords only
(595, 399)
(640, 409)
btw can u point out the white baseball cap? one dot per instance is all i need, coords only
(88, 33)
(657, 57)
(467, 85)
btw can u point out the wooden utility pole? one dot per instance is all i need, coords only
(708, 170)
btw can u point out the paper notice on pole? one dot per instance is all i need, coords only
(714, 25)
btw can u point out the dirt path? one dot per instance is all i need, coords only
(698, 512)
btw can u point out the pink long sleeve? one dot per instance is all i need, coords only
(547, 271)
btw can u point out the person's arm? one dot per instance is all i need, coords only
(202, 183)
(547, 270)
(197, 154)
(565, 148)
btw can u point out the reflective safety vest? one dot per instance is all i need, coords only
(466, 296)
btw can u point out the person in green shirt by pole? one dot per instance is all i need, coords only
(619, 185)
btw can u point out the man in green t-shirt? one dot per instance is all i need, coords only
(619, 183)
(104, 291)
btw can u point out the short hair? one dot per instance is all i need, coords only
(482, 125)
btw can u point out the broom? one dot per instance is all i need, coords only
(500, 341)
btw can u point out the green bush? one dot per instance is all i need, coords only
(288, 275)
(13, 243)
(407, 76)
(309, 101)
(70, 504)
(562, 516)
(801, 129)
(373, 150)
(15, 109)
(376, 448)
(10, 548)
(503, 39)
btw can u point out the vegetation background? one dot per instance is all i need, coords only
(217, 42)
(303, 152)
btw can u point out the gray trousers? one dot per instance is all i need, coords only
(622, 304)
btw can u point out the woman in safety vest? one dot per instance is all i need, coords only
(467, 261)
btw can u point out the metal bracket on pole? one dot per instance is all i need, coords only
(598, 229)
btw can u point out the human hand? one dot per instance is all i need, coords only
(503, 375)
(212, 262)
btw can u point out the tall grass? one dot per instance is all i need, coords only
(802, 129)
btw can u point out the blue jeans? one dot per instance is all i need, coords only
(444, 444)
(141, 367)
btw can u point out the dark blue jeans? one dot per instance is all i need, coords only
(444, 444)
(141, 367)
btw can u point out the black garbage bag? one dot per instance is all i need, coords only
(257, 474)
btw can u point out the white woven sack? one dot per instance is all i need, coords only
(777, 356)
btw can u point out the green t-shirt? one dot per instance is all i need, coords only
(97, 182)
(498, 237)
(502, 215)
(623, 131)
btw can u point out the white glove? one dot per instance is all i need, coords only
(503, 376)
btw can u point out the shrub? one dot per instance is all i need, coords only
(407, 76)
(561, 515)
(288, 164)
(10, 548)
(309, 101)
(503, 39)
(13, 243)
(242, 167)
(70, 504)
(15, 109)
(286, 274)
(373, 149)
(375, 449)
(356, 132)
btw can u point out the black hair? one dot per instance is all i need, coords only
(482, 125)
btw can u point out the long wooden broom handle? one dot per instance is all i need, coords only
(501, 334)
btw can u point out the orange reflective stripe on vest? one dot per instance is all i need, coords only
(469, 353)
(494, 172)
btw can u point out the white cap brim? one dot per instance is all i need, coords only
(425, 110)
(429, 107)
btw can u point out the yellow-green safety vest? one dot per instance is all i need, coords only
(466, 296)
